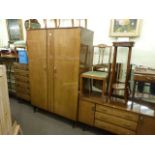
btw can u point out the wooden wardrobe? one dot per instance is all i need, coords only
(54, 67)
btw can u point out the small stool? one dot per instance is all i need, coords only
(96, 75)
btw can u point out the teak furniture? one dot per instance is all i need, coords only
(104, 60)
(100, 73)
(143, 75)
(21, 74)
(116, 117)
(112, 115)
(115, 84)
(54, 67)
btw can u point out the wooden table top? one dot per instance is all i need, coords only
(144, 71)
(137, 108)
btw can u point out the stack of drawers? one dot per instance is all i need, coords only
(21, 74)
(116, 120)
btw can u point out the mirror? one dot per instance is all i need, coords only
(15, 29)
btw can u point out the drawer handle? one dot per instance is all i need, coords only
(93, 109)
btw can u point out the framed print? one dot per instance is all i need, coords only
(15, 29)
(125, 27)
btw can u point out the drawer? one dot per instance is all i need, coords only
(22, 78)
(113, 128)
(131, 125)
(20, 66)
(22, 85)
(144, 78)
(21, 72)
(116, 112)
(21, 90)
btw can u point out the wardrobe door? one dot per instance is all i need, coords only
(36, 42)
(66, 70)
(50, 62)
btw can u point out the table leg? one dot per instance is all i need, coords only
(133, 93)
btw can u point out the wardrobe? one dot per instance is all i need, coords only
(56, 57)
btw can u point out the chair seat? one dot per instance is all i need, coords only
(95, 75)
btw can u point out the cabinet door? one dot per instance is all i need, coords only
(146, 125)
(36, 41)
(86, 112)
(66, 70)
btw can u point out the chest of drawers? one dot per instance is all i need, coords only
(116, 117)
(115, 120)
(21, 74)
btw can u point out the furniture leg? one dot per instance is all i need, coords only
(133, 93)
(103, 89)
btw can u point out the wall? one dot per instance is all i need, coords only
(144, 49)
(3, 34)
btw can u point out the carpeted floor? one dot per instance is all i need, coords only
(43, 123)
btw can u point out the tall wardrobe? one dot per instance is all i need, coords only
(57, 56)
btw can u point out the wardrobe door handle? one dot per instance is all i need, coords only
(50, 34)
(55, 70)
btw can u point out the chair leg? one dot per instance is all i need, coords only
(126, 95)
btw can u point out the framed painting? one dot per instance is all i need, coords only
(125, 27)
(15, 29)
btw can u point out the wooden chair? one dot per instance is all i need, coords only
(102, 65)
(100, 73)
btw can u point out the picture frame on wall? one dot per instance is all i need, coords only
(15, 29)
(125, 28)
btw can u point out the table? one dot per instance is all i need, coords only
(143, 75)
(115, 84)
